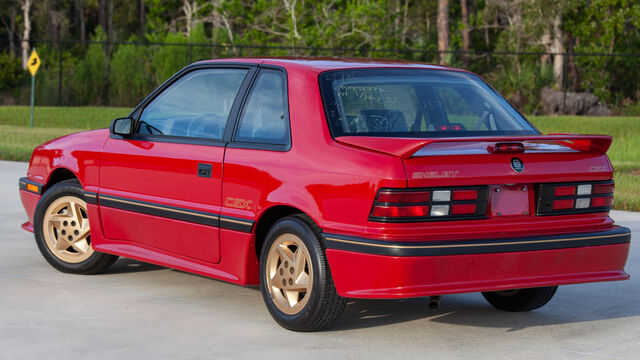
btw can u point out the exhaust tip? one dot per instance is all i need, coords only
(434, 302)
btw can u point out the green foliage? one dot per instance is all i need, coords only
(398, 29)
(132, 73)
(88, 78)
(11, 74)
(521, 85)
(607, 26)
(630, 109)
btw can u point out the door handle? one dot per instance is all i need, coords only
(204, 170)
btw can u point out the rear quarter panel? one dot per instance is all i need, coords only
(332, 183)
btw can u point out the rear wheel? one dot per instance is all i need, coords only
(295, 279)
(63, 233)
(520, 299)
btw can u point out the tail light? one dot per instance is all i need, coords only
(452, 203)
(574, 198)
(506, 148)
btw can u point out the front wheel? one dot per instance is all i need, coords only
(62, 231)
(520, 299)
(295, 280)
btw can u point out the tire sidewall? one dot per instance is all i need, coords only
(306, 317)
(64, 188)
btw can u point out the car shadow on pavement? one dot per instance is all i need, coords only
(363, 313)
(125, 266)
(472, 311)
(468, 310)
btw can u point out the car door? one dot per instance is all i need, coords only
(161, 188)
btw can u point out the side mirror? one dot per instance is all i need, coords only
(122, 127)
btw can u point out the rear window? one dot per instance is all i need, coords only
(416, 103)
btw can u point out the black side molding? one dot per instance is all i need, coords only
(171, 212)
(233, 223)
(91, 197)
(616, 235)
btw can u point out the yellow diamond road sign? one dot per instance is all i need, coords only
(34, 63)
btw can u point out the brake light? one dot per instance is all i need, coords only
(572, 198)
(430, 204)
(507, 148)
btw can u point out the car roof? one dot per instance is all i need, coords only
(320, 64)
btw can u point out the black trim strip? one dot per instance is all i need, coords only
(91, 197)
(233, 223)
(23, 182)
(617, 235)
(171, 212)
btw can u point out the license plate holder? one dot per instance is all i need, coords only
(510, 200)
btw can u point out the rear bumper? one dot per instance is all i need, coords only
(367, 268)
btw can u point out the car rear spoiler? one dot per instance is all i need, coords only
(409, 147)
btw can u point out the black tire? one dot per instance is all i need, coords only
(520, 299)
(324, 306)
(95, 263)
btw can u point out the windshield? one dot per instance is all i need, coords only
(416, 103)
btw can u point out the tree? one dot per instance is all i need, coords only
(443, 29)
(9, 24)
(141, 17)
(466, 31)
(79, 19)
(26, 31)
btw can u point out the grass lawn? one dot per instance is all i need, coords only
(17, 140)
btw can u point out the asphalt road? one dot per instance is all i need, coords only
(142, 311)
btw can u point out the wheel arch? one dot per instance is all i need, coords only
(58, 175)
(269, 217)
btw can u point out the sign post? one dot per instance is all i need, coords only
(33, 65)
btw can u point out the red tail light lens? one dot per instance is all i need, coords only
(405, 197)
(565, 190)
(463, 209)
(603, 188)
(602, 201)
(465, 194)
(562, 204)
(400, 211)
(573, 198)
(430, 204)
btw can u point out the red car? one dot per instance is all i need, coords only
(323, 180)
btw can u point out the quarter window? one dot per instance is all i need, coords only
(264, 118)
(197, 105)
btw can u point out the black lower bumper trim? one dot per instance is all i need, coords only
(616, 235)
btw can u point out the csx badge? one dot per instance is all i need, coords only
(237, 203)
(517, 165)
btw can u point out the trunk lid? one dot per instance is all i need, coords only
(479, 161)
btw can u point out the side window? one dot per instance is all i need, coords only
(265, 117)
(196, 105)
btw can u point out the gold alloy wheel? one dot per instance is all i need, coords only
(66, 229)
(289, 274)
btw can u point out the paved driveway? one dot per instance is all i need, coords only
(143, 311)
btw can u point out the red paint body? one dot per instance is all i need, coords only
(334, 182)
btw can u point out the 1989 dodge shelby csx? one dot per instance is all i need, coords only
(323, 180)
